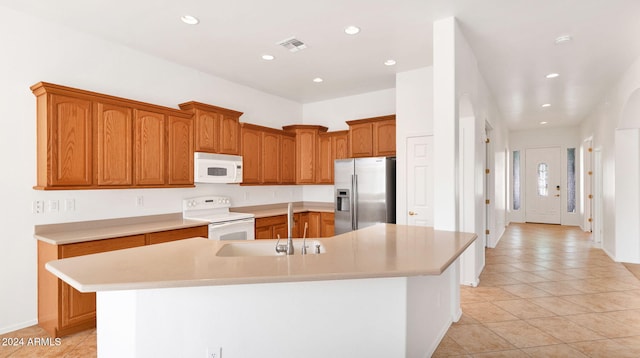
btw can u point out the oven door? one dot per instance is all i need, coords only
(233, 230)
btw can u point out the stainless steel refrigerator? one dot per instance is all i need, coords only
(365, 192)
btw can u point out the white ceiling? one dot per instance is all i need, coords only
(512, 39)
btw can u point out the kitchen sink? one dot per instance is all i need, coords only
(256, 248)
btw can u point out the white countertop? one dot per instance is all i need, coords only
(383, 250)
(70, 233)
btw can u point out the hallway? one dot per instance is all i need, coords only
(546, 293)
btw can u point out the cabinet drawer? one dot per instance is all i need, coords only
(94, 247)
(178, 234)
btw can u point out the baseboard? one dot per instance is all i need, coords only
(18, 326)
(440, 337)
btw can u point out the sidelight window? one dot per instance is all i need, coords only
(516, 180)
(571, 180)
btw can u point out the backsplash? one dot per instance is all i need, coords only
(110, 204)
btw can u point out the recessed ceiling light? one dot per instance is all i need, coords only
(389, 62)
(351, 30)
(189, 20)
(552, 75)
(546, 105)
(268, 57)
(543, 122)
(562, 39)
(317, 80)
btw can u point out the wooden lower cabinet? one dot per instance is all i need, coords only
(272, 226)
(62, 309)
(178, 234)
(327, 224)
(318, 225)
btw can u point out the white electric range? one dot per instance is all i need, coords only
(223, 224)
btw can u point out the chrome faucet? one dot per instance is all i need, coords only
(285, 248)
(304, 240)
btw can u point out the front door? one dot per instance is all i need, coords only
(420, 181)
(543, 183)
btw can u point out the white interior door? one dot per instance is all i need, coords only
(420, 181)
(543, 184)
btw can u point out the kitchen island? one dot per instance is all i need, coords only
(384, 291)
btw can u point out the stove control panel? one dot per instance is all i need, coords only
(206, 202)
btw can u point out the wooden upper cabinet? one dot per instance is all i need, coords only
(230, 134)
(384, 138)
(114, 149)
(207, 131)
(180, 150)
(88, 140)
(340, 144)
(324, 173)
(372, 137)
(361, 140)
(306, 151)
(217, 129)
(270, 157)
(65, 138)
(251, 154)
(331, 146)
(149, 147)
(287, 159)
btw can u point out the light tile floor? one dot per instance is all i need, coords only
(546, 292)
(32, 342)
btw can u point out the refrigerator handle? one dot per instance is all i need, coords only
(354, 216)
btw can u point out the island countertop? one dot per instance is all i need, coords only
(382, 250)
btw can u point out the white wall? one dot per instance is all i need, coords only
(461, 91)
(617, 109)
(43, 51)
(334, 113)
(564, 137)
(414, 117)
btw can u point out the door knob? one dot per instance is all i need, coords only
(411, 213)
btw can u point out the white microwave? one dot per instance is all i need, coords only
(217, 168)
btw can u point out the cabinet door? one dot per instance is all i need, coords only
(70, 146)
(361, 140)
(180, 150)
(149, 148)
(306, 156)
(324, 164)
(251, 155)
(314, 225)
(270, 158)
(287, 159)
(327, 224)
(229, 135)
(207, 131)
(178, 234)
(280, 229)
(384, 138)
(263, 232)
(303, 220)
(114, 144)
(80, 308)
(340, 145)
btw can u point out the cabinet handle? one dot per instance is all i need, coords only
(411, 213)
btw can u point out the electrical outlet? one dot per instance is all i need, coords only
(214, 352)
(140, 200)
(69, 205)
(38, 207)
(53, 206)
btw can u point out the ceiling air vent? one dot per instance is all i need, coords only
(292, 44)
